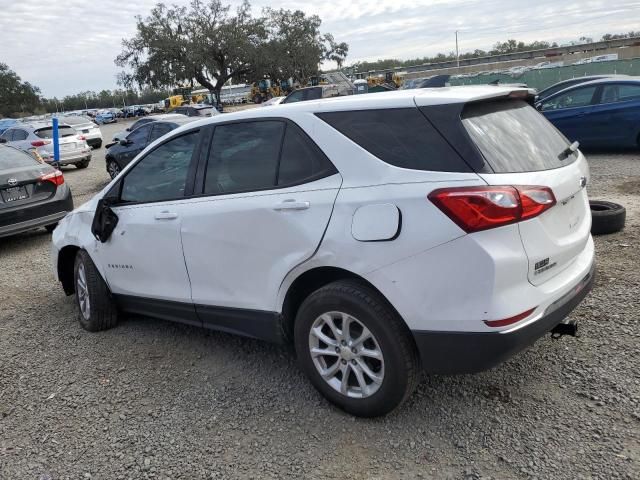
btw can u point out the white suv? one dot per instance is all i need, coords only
(383, 234)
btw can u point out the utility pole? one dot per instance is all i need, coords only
(457, 51)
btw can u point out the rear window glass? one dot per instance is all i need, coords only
(12, 158)
(402, 137)
(63, 131)
(204, 112)
(514, 137)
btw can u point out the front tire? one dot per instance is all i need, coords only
(96, 309)
(113, 169)
(82, 164)
(355, 349)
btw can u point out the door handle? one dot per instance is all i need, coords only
(292, 205)
(166, 216)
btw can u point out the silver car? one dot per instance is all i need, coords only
(37, 139)
(85, 127)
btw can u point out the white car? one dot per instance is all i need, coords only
(85, 127)
(438, 229)
(273, 101)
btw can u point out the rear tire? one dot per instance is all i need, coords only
(606, 217)
(96, 309)
(82, 164)
(381, 371)
(51, 228)
(113, 169)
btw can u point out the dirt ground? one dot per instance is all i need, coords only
(151, 399)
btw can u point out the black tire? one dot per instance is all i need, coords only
(51, 228)
(257, 99)
(113, 169)
(102, 313)
(606, 217)
(401, 361)
(82, 164)
(98, 145)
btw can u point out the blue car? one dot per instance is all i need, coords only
(6, 123)
(105, 117)
(603, 113)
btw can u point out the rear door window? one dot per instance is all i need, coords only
(301, 160)
(19, 134)
(620, 93)
(401, 137)
(159, 129)
(514, 137)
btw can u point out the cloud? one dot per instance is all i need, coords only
(67, 47)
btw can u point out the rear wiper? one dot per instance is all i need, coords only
(571, 149)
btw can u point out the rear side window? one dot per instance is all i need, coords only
(12, 158)
(401, 137)
(514, 137)
(620, 93)
(301, 159)
(19, 135)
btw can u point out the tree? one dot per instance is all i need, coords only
(16, 97)
(208, 44)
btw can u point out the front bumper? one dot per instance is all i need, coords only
(460, 352)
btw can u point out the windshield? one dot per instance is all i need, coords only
(514, 137)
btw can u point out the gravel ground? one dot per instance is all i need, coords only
(151, 399)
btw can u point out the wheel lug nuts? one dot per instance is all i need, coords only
(353, 362)
(353, 350)
(337, 349)
(344, 344)
(344, 362)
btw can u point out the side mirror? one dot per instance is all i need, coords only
(539, 107)
(124, 142)
(128, 129)
(3, 140)
(104, 220)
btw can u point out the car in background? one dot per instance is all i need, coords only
(37, 139)
(6, 123)
(32, 195)
(143, 121)
(121, 153)
(600, 113)
(556, 87)
(104, 117)
(315, 93)
(85, 127)
(197, 110)
(273, 101)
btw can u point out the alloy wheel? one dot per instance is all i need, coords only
(346, 354)
(82, 291)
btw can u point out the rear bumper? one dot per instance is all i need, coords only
(460, 352)
(71, 159)
(39, 215)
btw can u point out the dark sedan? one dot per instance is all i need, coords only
(556, 87)
(32, 194)
(602, 113)
(122, 152)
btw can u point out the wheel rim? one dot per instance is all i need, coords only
(346, 354)
(82, 291)
(114, 170)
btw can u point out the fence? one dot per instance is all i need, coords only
(545, 77)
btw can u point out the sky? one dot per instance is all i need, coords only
(68, 47)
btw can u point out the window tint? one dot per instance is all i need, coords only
(12, 158)
(514, 137)
(159, 129)
(19, 134)
(7, 134)
(162, 173)
(244, 157)
(140, 135)
(301, 159)
(315, 93)
(402, 137)
(620, 93)
(139, 123)
(579, 97)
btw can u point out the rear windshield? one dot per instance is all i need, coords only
(63, 131)
(514, 137)
(12, 158)
(402, 137)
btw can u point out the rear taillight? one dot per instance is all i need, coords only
(509, 321)
(480, 208)
(40, 143)
(81, 137)
(54, 177)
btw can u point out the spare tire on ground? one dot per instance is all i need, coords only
(606, 217)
